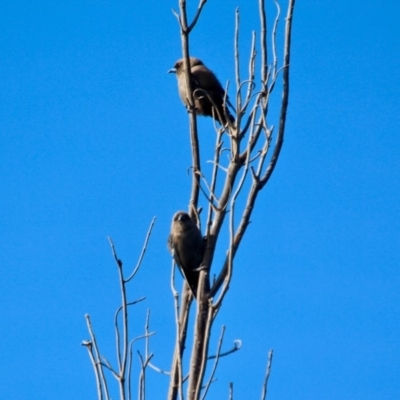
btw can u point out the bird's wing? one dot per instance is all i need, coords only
(190, 276)
(174, 250)
(205, 79)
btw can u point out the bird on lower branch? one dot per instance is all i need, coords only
(187, 247)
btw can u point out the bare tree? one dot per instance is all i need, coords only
(252, 144)
(252, 156)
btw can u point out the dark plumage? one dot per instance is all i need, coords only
(187, 247)
(203, 81)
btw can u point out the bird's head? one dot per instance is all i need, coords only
(181, 222)
(181, 216)
(178, 66)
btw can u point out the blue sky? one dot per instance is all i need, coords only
(94, 142)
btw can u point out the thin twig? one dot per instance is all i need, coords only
(144, 248)
(285, 95)
(263, 37)
(209, 199)
(218, 145)
(177, 16)
(102, 378)
(122, 354)
(194, 198)
(129, 374)
(267, 374)
(274, 29)
(221, 338)
(251, 84)
(146, 330)
(142, 376)
(273, 71)
(196, 17)
(117, 334)
(105, 363)
(237, 63)
(131, 303)
(232, 249)
(89, 346)
(261, 183)
(176, 370)
(129, 371)
(157, 369)
(209, 188)
(218, 166)
(263, 153)
(237, 344)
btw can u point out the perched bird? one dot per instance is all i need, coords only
(203, 82)
(187, 247)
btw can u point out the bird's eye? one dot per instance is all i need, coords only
(183, 217)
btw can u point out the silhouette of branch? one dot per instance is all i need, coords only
(267, 374)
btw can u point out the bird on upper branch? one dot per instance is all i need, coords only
(205, 86)
(187, 247)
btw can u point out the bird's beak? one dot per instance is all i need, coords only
(172, 71)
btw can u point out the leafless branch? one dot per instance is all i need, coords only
(105, 363)
(221, 338)
(264, 48)
(177, 363)
(218, 145)
(146, 241)
(267, 374)
(230, 391)
(226, 274)
(89, 347)
(192, 114)
(95, 358)
(147, 334)
(159, 370)
(142, 376)
(237, 344)
(200, 346)
(250, 82)
(122, 353)
(196, 17)
(129, 372)
(285, 95)
(210, 198)
(237, 63)
(181, 320)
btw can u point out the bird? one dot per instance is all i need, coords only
(203, 82)
(186, 245)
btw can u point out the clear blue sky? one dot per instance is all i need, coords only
(94, 142)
